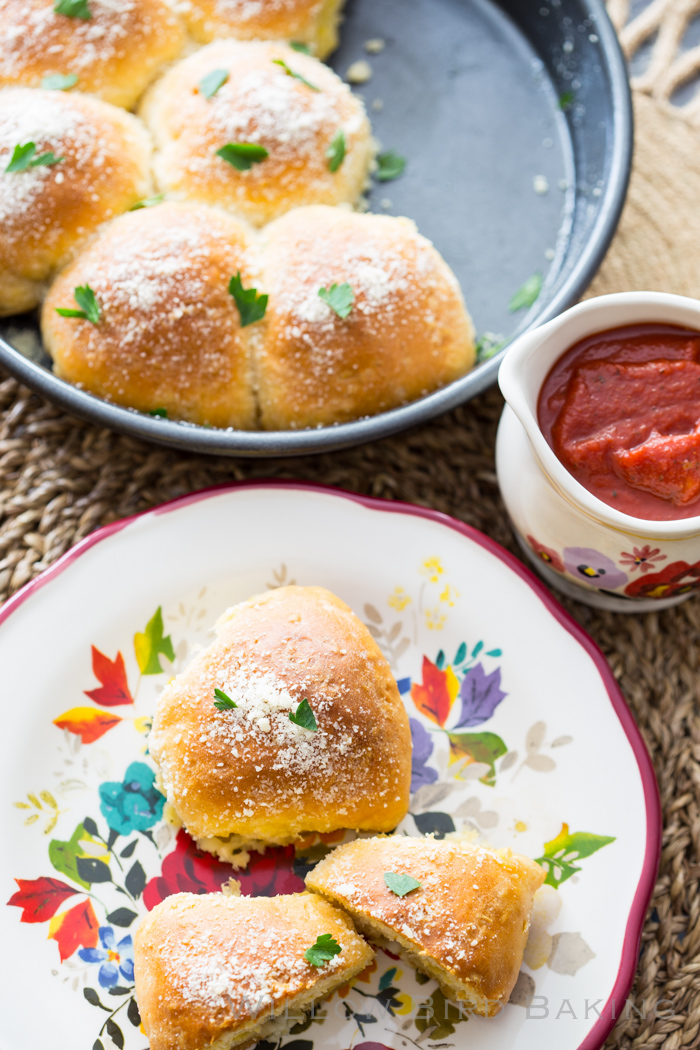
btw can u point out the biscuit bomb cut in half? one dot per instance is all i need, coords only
(159, 330)
(258, 129)
(364, 315)
(100, 47)
(217, 972)
(313, 23)
(290, 722)
(68, 163)
(461, 913)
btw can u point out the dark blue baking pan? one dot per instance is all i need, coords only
(516, 121)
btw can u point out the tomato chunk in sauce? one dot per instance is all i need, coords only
(621, 410)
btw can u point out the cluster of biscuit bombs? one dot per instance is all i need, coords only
(201, 258)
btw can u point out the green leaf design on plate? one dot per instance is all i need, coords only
(132, 1012)
(92, 869)
(479, 747)
(440, 1015)
(560, 853)
(64, 855)
(151, 644)
(122, 917)
(387, 979)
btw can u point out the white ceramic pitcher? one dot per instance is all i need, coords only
(578, 543)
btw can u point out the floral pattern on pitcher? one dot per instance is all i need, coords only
(600, 572)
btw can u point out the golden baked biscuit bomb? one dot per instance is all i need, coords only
(108, 49)
(215, 971)
(290, 722)
(364, 315)
(460, 912)
(68, 163)
(310, 23)
(258, 128)
(145, 317)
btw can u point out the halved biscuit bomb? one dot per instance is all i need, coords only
(290, 722)
(460, 912)
(215, 971)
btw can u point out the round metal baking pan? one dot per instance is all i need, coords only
(516, 121)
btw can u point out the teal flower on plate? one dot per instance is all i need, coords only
(135, 804)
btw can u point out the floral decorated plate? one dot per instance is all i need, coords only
(520, 736)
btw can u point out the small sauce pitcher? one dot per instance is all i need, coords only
(578, 543)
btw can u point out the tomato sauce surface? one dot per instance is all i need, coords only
(621, 410)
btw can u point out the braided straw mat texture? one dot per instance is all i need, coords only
(61, 479)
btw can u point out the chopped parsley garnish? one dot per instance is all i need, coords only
(527, 294)
(251, 306)
(389, 166)
(488, 344)
(161, 413)
(223, 702)
(325, 948)
(300, 46)
(87, 301)
(297, 76)
(336, 150)
(23, 158)
(73, 8)
(566, 100)
(304, 716)
(147, 202)
(242, 155)
(211, 83)
(59, 81)
(401, 884)
(340, 298)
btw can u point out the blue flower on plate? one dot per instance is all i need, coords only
(421, 773)
(135, 804)
(114, 959)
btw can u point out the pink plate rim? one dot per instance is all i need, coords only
(633, 932)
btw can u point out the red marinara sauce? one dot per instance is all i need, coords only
(621, 410)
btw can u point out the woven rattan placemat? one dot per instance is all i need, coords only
(61, 479)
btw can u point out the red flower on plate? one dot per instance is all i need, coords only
(186, 870)
(190, 870)
(270, 873)
(546, 554)
(642, 558)
(675, 579)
